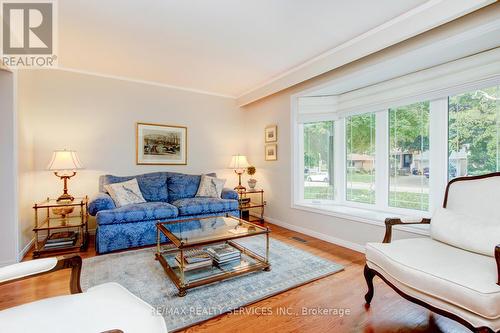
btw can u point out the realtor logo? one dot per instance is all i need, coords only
(28, 34)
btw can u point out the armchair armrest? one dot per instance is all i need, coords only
(389, 222)
(497, 257)
(101, 201)
(228, 193)
(32, 268)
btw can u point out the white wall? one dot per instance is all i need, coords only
(8, 172)
(26, 172)
(96, 116)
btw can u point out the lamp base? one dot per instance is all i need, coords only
(65, 197)
(240, 188)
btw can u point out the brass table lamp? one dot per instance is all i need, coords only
(64, 163)
(239, 163)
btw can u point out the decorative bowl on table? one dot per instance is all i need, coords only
(63, 211)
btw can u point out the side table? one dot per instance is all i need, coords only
(251, 205)
(53, 217)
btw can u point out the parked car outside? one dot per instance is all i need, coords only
(318, 177)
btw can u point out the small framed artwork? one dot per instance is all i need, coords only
(271, 152)
(271, 133)
(161, 144)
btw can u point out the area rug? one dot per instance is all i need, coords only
(140, 273)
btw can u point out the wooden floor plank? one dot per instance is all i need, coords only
(343, 291)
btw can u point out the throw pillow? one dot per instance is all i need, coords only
(471, 233)
(210, 187)
(125, 193)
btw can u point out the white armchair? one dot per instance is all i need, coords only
(455, 272)
(107, 307)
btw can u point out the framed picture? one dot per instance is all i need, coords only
(161, 144)
(271, 133)
(271, 152)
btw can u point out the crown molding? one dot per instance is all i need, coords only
(425, 17)
(145, 82)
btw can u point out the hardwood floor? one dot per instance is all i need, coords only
(342, 291)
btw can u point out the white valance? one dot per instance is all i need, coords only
(469, 73)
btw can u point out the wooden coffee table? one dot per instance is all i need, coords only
(203, 233)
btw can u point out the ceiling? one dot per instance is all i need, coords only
(224, 47)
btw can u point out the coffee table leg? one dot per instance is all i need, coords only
(182, 291)
(268, 268)
(158, 237)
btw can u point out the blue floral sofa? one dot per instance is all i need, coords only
(169, 196)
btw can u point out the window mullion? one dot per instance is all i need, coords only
(339, 161)
(300, 163)
(438, 152)
(382, 160)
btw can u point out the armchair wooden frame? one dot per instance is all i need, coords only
(70, 261)
(389, 223)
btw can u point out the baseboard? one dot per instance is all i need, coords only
(25, 250)
(330, 239)
(21, 254)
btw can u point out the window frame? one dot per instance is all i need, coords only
(438, 157)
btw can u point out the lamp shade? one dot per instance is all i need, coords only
(64, 160)
(239, 162)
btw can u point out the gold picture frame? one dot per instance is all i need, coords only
(158, 144)
(271, 133)
(271, 152)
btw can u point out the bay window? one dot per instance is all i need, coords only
(391, 148)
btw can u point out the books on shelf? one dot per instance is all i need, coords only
(61, 236)
(200, 258)
(244, 201)
(194, 259)
(224, 253)
(61, 239)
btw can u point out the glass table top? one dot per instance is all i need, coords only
(54, 203)
(210, 229)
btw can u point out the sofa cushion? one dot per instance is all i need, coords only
(472, 233)
(182, 186)
(203, 205)
(137, 212)
(153, 185)
(125, 193)
(210, 187)
(465, 279)
(104, 307)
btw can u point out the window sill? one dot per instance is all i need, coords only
(363, 215)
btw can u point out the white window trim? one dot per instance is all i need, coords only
(372, 214)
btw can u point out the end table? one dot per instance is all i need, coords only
(251, 205)
(52, 216)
